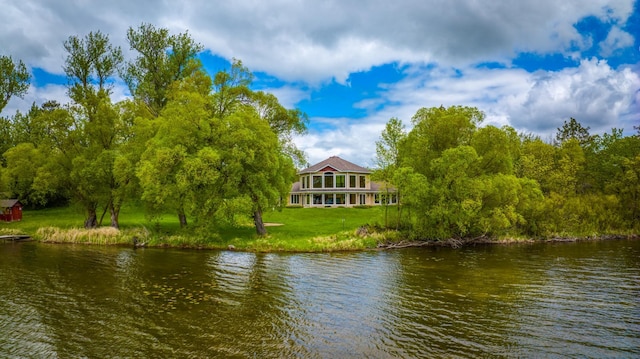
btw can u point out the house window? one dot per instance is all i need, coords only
(352, 198)
(317, 181)
(340, 198)
(328, 180)
(328, 198)
(394, 198)
(352, 181)
(303, 182)
(362, 181)
(376, 198)
(317, 198)
(295, 199)
(363, 199)
(340, 181)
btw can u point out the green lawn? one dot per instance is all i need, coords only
(292, 229)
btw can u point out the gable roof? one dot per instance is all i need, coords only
(337, 164)
(8, 203)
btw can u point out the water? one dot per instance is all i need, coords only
(571, 300)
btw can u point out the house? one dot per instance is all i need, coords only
(10, 210)
(336, 182)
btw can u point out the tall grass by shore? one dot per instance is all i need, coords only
(292, 229)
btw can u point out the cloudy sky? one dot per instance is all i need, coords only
(351, 65)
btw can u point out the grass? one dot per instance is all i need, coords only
(292, 229)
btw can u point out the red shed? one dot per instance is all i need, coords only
(10, 210)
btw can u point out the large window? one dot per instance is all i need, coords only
(340, 181)
(362, 182)
(352, 181)
(363, 199)
(317, 181)
(352, 198)
(340, 198)
(295, 199)
(303, 183)
(328, 198)
(328, 180)
(317, 198)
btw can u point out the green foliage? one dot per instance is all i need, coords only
(162, 60)
(491, 182)
(14, 79)
(213, 150)
(573, 130)
(437, 129)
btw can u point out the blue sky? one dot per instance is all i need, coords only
(352, 65)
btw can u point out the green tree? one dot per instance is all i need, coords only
(90, 66)
(437, 129)
(162, 60)
(256, 167)
(231, 89)
(498, 148)
(14, 80)
(573, 130)
(37, 162)
(388, 162)
(178, 169)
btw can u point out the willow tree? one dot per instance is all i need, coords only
(90, 66)
(255, 168)
(437, 129)
(178, 169)
(162, 59)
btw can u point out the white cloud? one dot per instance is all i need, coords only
(616, 39)
(593, 93)
(316, 41)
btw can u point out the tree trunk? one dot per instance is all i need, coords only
(92, 218)
(257, 220)
(115, 213)
(183, 219)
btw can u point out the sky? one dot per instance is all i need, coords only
(351, 65)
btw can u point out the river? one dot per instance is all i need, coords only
(536, 300)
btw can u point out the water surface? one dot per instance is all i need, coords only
(545, 300)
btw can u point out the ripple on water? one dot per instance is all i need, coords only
(512, 301)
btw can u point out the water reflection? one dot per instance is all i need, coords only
(577, 299)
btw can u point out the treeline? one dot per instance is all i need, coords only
(208, 149)
(459, 180)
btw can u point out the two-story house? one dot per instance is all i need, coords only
(335, 182)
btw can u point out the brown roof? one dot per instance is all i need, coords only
(8, 203)
(338, 164)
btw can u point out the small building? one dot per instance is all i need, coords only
(336, 182)
(10, 210)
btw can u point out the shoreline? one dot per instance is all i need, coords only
(339, 242)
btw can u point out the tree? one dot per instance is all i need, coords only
(178, 170)
(162, 60)
(573, 130)
(285, 123)
(14, 80)
(90, 66)
(231, 89)
(497, 149)
(437, 129)
(388, 162)
(38, 163)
